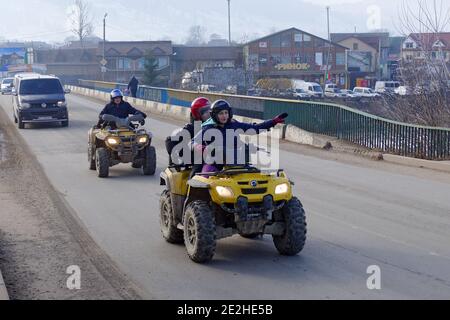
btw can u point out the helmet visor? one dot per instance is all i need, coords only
(204, 110)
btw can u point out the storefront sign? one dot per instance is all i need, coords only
(292, 66)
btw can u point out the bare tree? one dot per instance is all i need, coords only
(426, 73)
(246, 37)
(81, 21)
(196, 36)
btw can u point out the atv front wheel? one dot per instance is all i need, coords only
(136, 165)
(169, 231)
(149, 166)
(294, 238)
(102, 162)
(199, 232)
(64, 124)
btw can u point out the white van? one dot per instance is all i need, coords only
(311, 88)
(386, 86)
(333, 91)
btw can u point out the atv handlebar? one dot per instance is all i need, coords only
(124, 122)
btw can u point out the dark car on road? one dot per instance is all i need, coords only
(39, 99)
(6, 85)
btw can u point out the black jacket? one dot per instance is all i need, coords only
(133, 85)
(123, 110)
(170, 143)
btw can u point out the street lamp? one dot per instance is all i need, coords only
(104, 47)
(327, 69)
(229, 22)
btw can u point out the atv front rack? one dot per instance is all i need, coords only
(231, 172)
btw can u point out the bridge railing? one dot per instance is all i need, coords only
(323, 118)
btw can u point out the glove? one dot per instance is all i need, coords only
(280, 118)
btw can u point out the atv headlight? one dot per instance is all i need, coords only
(112, 141)
(143, 140)
(282, 189)
(225, 192)
(61, 104)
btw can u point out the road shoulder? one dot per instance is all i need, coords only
(3, 292)
(41, 239)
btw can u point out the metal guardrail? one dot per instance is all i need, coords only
(323, 118)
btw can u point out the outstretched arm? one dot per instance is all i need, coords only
(261, 126)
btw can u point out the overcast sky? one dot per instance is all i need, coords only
(170, 19)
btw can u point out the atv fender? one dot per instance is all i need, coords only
(163, 180)
(197, 193)
(198, 184)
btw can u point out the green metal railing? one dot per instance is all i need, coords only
(323, 118)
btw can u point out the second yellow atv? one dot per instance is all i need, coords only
(237, 200)
(121, 141)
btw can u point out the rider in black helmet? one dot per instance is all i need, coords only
(222, 120)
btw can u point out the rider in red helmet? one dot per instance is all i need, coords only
(200, 109)
(200, 112)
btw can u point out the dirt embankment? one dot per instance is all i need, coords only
(40, 237)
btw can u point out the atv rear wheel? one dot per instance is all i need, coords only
(199, 232)
(170, 232)
(294, 238)
(102, 162)
(149, 166)
(91, 159)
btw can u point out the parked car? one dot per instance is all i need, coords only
(254, 92)
(331, 87)
(207, 88)
(364, 92)
(301, 94)
(387, 87)
(349, 94)
(39, 99)
(404, 91)
(334, 93)
(6, 85)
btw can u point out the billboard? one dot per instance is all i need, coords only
(11, 58)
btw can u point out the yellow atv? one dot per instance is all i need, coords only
(237, 200)
(121, 141)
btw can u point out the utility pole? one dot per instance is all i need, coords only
(329, 48)
(229, 22)
(104, 47)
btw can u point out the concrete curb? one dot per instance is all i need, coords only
(3, 292)
(418, 163)
(297, 135)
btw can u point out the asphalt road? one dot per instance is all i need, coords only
(358, 216)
